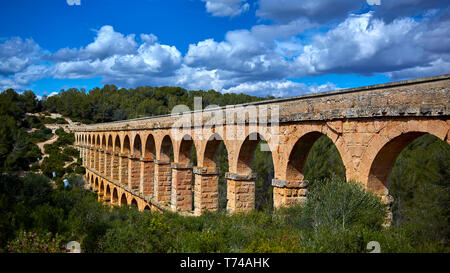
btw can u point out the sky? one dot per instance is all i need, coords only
(258, 47)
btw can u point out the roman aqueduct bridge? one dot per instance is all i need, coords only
(146, 162)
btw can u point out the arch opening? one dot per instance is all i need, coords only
(126, 146)
(107, 197)
(216, 156)
(115, 198)
(137, 146)
(134, 203)
(163, 173)
(412, 172)
(148, 166)
(123, 200)
(255, 158)
(182, 194)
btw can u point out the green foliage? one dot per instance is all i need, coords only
(337, 204)
(263, 167)
(222, 163)
(70, 151)
(324, 161)
(17, 151)
(28, 242)
(338, 216)
(138, 232)
(41, 135)
(49, 120)
(420, 186)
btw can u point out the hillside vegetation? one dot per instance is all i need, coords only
(37, 214)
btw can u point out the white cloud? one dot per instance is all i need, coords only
(258, 60)
(224, 8)
(434, 68)
(249, 55)
(315, 10)
(280, 88)
(119, 59)
(107, 43)
(17, 54)
(363, 44)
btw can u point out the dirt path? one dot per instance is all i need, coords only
(50, 141)
(54, 137)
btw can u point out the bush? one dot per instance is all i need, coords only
(41, 135)
(337, 205)
(138, 232)
(36, 189)
(70, 151)
(28, 242)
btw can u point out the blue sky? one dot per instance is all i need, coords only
(258, 47)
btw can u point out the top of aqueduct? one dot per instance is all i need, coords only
(419, 97)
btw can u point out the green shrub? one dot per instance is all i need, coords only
(70, 151)
(337, 204)
(139, 232)
(28, 242)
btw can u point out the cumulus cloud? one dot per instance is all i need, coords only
(17, 54)
(389, 10)
(320, 11)
(107, 43)
(364, 44)
(324, 11)
(246, 54)
(118, 59)
(279, 88)
(224, 8)
(21, 62)
(258, 60)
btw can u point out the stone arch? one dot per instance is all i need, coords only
(148, 165)
(383, 150)
(298, 155)
(184, 149)
(134, 203)
(103, 142)
(97, 144)
(166, 149)
(137, 146)
(115, 161)
(126, 146)
(163, 174)
(182, 176)
(217, 190)
(117, 145)
(115, 197)
(246, 153)
(96, 183)
(107, 197)
(150, 148)
(209, 152)
(109, 147)
(101, 190)
(123, 200)
(90, 181)
(241, 186)
(147, 207)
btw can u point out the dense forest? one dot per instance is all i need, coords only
(39, 214)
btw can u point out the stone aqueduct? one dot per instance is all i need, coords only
(130, 162)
